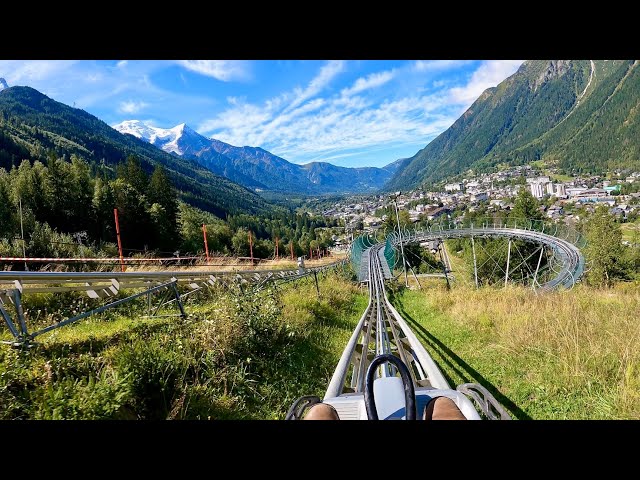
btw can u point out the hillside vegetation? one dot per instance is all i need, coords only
(66, 211)
(559, 111)
(32, 124)
(562, 355)
(239, 355)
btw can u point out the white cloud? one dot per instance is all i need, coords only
(122, 63)
(332, 127)
(224, 70)
(489, 74)
(438, 65)
(327, 73)
(131, 106)
(21, 72)
(370, 81)
(249, 124)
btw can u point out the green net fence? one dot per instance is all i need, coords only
(364, 242)
(390, 254)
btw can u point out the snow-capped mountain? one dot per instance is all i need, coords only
(178, 139)
(3, 84)
(255, 167)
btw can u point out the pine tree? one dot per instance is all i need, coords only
(164, 209)
(103, 203)
(133, 174)
(7, 210)
(526, 206)
(604, 250)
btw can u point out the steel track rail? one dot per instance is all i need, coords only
(382, 330)
(109, 284)
(567, 254)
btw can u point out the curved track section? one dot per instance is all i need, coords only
(563, 242)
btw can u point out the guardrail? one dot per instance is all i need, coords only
(107, 285)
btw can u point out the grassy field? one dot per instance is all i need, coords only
(249, 355)
(564, 355)
(631, 232)
(556, 177)
(238, 355)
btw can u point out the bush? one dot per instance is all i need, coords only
(98, 397)
(156, 369)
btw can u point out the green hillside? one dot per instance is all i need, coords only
(32, 124)
(579, 115)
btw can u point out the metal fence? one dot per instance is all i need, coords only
(108, 286)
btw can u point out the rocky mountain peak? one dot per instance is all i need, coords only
(553, 69)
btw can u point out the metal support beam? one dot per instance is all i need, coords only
(506, 274)
(7, 320)
(20, 312)
(404, 261)
(103, 308)
(414, 276)
(174, 281)
(475, 264)
(444, 266)
(535, 275)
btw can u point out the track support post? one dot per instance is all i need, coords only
(506, 274)
(475, 263)
(535, 275)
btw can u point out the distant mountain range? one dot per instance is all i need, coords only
(32, 124)
(579, 115)
(257, 168)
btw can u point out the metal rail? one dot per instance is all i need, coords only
(564, 243)
(107, 285)
(382, 330)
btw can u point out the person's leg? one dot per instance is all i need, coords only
(443, 408)
(322, 411)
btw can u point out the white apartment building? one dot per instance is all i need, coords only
(550, 189)
(537, 190)
(454, 187)
(561, 190)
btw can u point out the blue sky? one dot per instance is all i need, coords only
(347, 112)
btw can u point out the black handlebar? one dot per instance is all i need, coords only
(409, 390)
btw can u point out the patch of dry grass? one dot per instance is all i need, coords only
(567, 354)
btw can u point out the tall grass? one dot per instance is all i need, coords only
(239, 354)
(567, 354)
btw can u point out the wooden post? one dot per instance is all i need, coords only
(310, 253)
(115, 213)
(292, 257)
(315, 275)
(206, 245)
(24, 249)
(251, 247)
